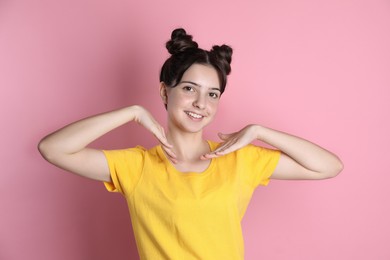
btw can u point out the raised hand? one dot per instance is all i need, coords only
(234, 141)
(144, 118)
(300, 159)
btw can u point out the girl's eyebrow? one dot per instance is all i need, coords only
(196, 84)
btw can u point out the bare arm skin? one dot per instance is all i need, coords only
(300, 159)
(67, 147)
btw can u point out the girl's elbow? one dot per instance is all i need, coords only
(336, 169)
(45, 150)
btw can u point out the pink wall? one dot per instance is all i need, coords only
(318, 69)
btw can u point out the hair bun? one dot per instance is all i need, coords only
(224, 54)
(180, 42)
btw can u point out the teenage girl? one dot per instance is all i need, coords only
(187, 195)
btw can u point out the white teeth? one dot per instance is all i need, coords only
(194, 115)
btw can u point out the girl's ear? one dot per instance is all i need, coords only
(163, 92)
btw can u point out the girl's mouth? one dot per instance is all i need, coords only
(194, 115)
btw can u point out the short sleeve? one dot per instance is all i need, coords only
(260, 163)
(125, 169)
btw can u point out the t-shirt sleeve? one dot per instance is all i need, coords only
(260, 163)
(125, 169)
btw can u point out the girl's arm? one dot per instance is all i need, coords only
(300, 158)
(67, 147)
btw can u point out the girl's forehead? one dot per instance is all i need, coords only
(202, 75)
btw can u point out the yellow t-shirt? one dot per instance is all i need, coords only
(185, 216)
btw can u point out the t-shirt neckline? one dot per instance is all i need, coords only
(172, 168)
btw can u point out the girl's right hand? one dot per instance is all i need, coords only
(144, 118)
(67, 147)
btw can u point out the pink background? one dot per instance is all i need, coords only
(317, 69)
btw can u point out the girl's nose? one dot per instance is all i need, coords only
(199, 102)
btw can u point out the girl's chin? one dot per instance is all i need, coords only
(191, 129)
(190, 126)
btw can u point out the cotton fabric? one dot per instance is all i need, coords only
(185, 216)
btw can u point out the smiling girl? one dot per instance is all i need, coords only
(187, 195)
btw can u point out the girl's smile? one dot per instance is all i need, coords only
(194, 116)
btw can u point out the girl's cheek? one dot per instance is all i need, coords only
(214, 107)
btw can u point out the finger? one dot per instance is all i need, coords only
(169, 152)
(229, 147)
(230, 140)
(165, 142)
(225, 136)
(158, 131)
(209, 156)
(170, 155)
(162, 139)
(173, 160)
(223, 146)
(216, 153)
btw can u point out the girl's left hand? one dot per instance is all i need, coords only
(234, 141)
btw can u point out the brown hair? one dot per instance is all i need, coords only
(185, 52)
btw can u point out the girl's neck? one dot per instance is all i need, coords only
(188, 147)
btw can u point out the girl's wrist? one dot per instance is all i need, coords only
(134, 111)
(259, 130)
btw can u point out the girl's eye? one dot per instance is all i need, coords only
(188, 88)
(213, 95)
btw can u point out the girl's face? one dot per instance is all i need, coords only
(193, 103)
